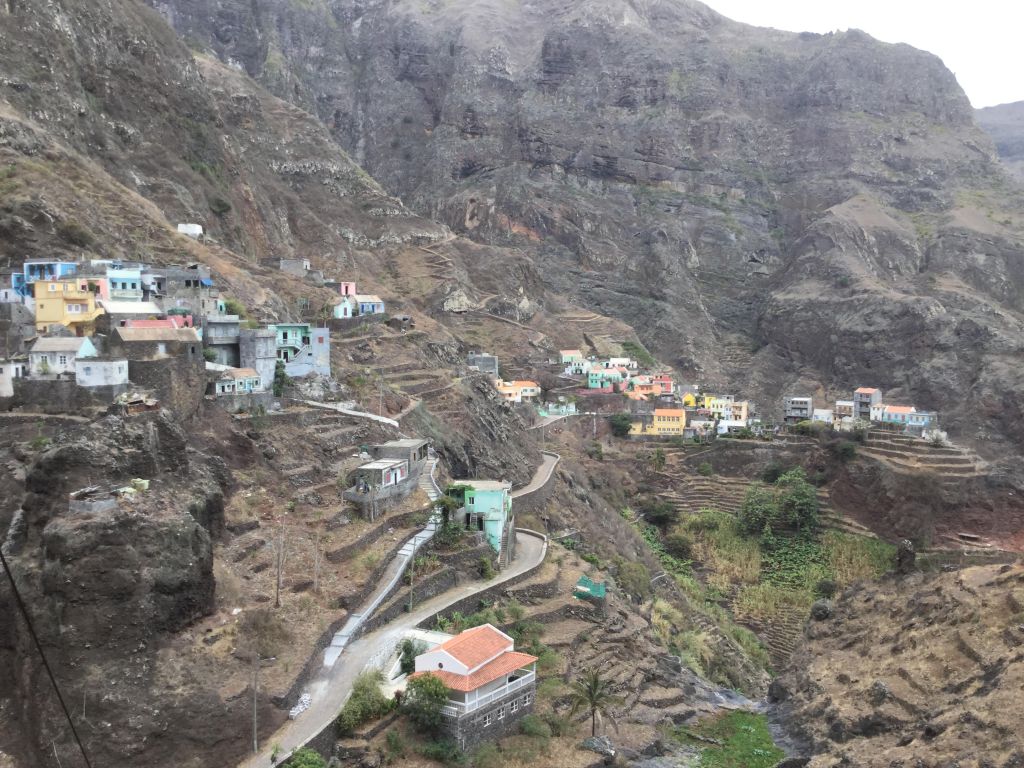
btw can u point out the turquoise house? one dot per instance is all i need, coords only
(487, 507)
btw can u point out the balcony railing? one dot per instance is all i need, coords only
(459, 708)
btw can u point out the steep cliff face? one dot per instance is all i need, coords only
(1005, 124)
(771, 210)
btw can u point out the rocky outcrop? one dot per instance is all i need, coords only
(108, 587)
(921, 670)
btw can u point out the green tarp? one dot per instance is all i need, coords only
(586, 588)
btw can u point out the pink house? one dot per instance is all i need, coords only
(171, 321)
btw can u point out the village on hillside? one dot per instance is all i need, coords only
(130, 338)
(647, 401)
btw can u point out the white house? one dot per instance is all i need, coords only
(52, 355)
(489, 683)
(822, 415)
(9, 371)
(100, 371)
(345, 307)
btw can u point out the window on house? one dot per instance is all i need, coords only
(526, 700)
(53, 288)
(501, 713)
(134, 285)
(87, 370)
(487, 719)
(63, 359)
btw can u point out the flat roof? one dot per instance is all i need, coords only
(383, 464)
(58, 344)
(409, 442)
(485, 485)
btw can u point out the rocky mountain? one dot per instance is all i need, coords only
(913, 673)
(1005, 124)
(772, 211)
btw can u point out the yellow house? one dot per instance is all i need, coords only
(664, 422)
(67, 302)
(690, 400)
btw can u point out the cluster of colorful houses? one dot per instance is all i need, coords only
(864, 409)
(88, 322)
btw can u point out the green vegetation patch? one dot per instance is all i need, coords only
(744, 741)
(639, 352)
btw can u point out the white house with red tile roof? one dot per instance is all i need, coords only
(490, 684)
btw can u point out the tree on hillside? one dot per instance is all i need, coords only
(658, 512)
(658, 460)
(797, 500)
(592, 693)
(620, 424)
(634, 579)
(261, 634)
(759, 509)
(425, 697)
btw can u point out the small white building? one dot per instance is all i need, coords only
(345, 307)
(195, 231)
(54, 355)
(100, 371)
(822, 415)
(9, 371)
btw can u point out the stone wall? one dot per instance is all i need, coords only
(433, 585)
(179, 382)
(487, 596)
(244, 402)
(398, 521)
(53, 396)
(471, 730)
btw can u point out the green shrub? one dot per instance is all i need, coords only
(410, 649)
(773, 472)
(758, 510)
(826, 588)
(365, 703)
(209, 355)
(535, 727)
(620, 424)
(219, 205)
(658, 512)
(425, 697)
(705, 469)
(634, 579)
(73, 233)
(486, 756)
(485, 569)
(305, 758)
(679, 544)
(844, 450)
(595, 451)
(396, 744)
(444, 751)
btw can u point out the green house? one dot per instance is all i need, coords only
(487, 507)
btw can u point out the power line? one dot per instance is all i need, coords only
(46, 664)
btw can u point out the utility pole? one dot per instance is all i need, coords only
(380, 405)
(255, 701)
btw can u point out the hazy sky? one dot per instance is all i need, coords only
(979, 40)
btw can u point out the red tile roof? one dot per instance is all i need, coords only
(865, 391)
(899, 409)
(475, 646)
(508, 662)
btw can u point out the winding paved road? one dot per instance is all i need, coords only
(331, 687)
(541, 476)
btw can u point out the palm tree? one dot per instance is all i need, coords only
(594, 693)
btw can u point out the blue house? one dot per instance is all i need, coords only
(487, 507)
(125, 282)
(369, 304)
(32, 271)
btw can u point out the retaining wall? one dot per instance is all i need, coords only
(535, 500)
(398, 521)
(491, 594)
(59, 396)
